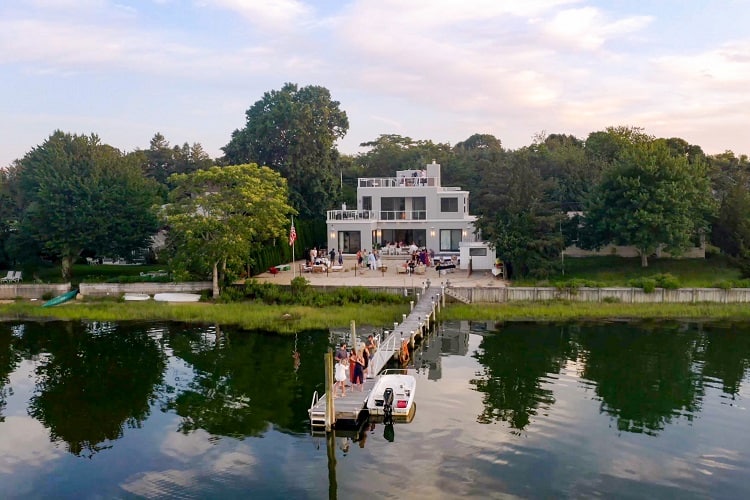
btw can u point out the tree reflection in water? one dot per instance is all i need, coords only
(646, 374)
(96, 379)
(244, 383)
(515, 360)
(8, 361)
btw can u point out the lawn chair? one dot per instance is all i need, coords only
(17, 277)
(8, 277)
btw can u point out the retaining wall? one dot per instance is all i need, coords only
(32, 290)
(116, 289)
(623, 295)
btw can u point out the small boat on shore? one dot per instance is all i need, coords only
(61, 298)
(393, 394)
(177, 297)
(136, 296)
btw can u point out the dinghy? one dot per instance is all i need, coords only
(136, 296)
(177, 297)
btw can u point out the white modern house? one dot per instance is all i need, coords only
(411, 208)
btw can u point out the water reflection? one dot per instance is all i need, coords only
(645, 376)
(93, 381)
(515, 362)
(170, 410)
(243, 381)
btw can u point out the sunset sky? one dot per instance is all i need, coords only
(427, 69)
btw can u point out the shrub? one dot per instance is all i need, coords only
(648, 284)
(667, 280)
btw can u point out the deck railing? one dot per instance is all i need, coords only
(365, 182)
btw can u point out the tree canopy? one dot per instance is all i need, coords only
(81, 194)
(294, 132)
(649, 198)
(217, 216)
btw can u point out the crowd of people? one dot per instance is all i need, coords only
(353, 366)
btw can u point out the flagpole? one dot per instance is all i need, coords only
(294, 267)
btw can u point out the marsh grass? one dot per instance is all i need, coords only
(565, 310)
(250, 316)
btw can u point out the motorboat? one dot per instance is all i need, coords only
(177, 297)
(136, 296)
(393, 395)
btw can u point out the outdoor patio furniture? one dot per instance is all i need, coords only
(8, 277)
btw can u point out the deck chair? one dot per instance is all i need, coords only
(8, 277)
(17, 277)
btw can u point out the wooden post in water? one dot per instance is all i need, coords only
(353, 334)
(330, 410)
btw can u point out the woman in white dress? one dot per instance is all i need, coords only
(342, 367)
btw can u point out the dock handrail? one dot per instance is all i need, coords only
(314, 401)
(385, 351)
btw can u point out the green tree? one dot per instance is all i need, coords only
(391, 152)
(518, 216)
(218, 216)
(477, 154)
(80, 194)
(730, 230)
(294, 132)
(649, 198)
(161, 160)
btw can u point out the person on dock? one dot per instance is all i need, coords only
(340, 377)
(359, 371)
(342, 352)
(352, 363)
(366, 362)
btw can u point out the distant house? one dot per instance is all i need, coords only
(412, 208)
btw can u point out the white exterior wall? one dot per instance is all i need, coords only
(406, 186)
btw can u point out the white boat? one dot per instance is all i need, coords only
(397, 388)
(177, 297)
(136, 296)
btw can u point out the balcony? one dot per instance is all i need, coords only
(397, 182)
(395, 215)
(350, 215)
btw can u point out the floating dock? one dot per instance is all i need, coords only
(326, 411)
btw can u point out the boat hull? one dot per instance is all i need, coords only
(177, 297)
(403, 387)
(136, 296)
(61, 298)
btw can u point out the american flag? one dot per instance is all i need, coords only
(292, 235)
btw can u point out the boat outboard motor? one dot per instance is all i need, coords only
(388, 406)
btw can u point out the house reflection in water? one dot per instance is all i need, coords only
(450, 339)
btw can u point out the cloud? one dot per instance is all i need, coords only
(269, 15)
(25, 443)
(588, 28)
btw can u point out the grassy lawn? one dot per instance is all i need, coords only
(94, 274)
(617, 271)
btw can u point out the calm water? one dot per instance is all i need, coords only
(102, 410)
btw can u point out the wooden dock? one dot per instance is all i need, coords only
(349, 409)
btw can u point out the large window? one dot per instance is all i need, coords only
(449, 204)
(367, 203)
(392, 208)
(419, 208)
(404, 236)
(349, 242)
(449, 240)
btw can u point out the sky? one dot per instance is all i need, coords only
(438, 70)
